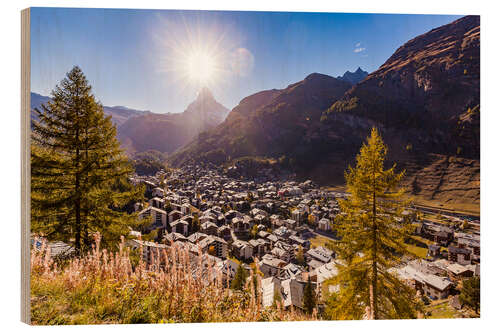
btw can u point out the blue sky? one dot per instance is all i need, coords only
(138, 58)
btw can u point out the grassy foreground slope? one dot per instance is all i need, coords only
(104, 288)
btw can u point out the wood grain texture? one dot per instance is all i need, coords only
(25, 165)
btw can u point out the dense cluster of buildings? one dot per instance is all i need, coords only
(271, 223)
(268, 223)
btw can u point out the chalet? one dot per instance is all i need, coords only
(209, 228)
(304, 243)
(459, 255)
(260, 219)
(270, 287)
(240, 225)
(196, 237)
(150, 250)
(292, 293)
(283, 251)
(157, 203)
(185, 209)
(242, 250)
(323, 273)
(180, 226)
(174, 237)
(297, 215)
(314, 264)
(470, 244)
(271, 266)
(158, 192)
(320, 254)
(282, 232)
(434, 251)
(158, 216)
(292, 271)
(263, 234)
(457, 271)
(224, 232)
(228, 270)
(291, 224)
(260, 246)
(324, 224)
(272, 238)
(174, 215)
(215, 246)
(431, 285)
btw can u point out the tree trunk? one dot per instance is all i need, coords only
(78, 194)
(374, 282)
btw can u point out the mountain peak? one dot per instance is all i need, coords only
(316, 76)
(205, 93)
(353, 77)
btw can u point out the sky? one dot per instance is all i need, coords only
(158, 60)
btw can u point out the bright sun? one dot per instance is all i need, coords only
(200, 67)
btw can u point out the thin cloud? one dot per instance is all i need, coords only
(358, 44)
(359, 49)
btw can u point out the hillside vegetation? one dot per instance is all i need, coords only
(111, 288)
(424, 99)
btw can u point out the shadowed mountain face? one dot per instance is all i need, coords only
(168, 132)
(140, 131)
(353, 77)
(269, 123)
(424, 99)
(119, 114)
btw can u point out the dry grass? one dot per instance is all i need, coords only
(320, 241)
(103, 288)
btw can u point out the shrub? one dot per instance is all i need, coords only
(102, 287)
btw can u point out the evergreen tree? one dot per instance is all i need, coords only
(195, 224)
(79, 174)
(254, 231)
(309, 297)
(471, 294)
(372, 233)
(239, 279)
(277, 298)
(300, 255)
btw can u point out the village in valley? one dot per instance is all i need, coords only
(329, 198)
(285, 230)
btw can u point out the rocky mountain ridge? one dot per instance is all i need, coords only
(424, 99)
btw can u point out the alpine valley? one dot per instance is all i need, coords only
(424, 99)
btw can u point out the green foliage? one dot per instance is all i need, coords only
(151, 236)
(239, 280)
(331, 304)
(79, 174)
(344, 105)
(149, 162)
(300, 256)
(195, 224)
(471, 293)
(276, 298)
(309, 297)
(254, 231)
(372, 233)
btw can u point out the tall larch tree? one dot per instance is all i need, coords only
(372, 231)
(309, 297)
(79, 174)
